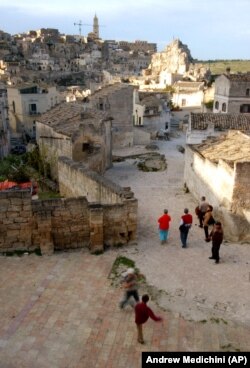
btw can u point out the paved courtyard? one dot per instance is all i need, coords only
(62, 311)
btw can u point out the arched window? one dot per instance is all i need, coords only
(216, 105)
(224, 107)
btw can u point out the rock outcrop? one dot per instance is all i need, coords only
(176, 58)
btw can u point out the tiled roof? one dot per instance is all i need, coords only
(200, 121)
(231, 147)
(188, 85)
(66, 117)
(240, 77)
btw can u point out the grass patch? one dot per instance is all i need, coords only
(49, 195)
(219, 66)
(120, 265)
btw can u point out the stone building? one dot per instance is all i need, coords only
(232, 93)
(138, 46)
(4, 123)
(219, 168)
(151, 111)
(117, 101)
(26, 102)
(68, 130)
(188, 94)
(204, 125)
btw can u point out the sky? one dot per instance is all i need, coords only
(212, 29)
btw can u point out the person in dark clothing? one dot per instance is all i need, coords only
(216, 236)
(142, 314)
(185, 225)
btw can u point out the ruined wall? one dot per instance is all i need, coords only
(241, 192)
(219, 184)
(63, 223)
(76, 180)
(28, 224)
(16, 221)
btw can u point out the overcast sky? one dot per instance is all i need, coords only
(212, 29)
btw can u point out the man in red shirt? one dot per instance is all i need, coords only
(185, 225)
(142, 314)
(164, 221)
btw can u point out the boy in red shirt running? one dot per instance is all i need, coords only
(142, 314)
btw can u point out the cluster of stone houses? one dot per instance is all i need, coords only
(77, 137)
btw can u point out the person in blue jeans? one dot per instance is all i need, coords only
(185, 225)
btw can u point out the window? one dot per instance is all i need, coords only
(183, 102)
(248, 92)
(14, 106)
(245, 108)
(32, 109)
(224, 107)
(216, 105)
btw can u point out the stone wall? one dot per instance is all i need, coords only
(76, 180)
(28, 224)
(16, 221)
(241, 192)
(220, 183)
(63, 223)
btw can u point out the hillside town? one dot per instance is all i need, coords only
(97, 138)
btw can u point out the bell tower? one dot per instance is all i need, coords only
(96, 26)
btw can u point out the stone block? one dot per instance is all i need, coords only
(13, 214)
(13, 233)
(17, 208)
(14, 226)
(20, 220)
(47, 248)
(4, 202)
(27, 208)
(16, 201)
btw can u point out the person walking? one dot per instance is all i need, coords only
(130, 286)
(164, 221)
(185, 225)
(202, 210)
(208, 220)
(216, 236)
(142, 314)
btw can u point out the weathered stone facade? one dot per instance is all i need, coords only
(232, 93)
(82, 136)
(63, 223)
(117, 101)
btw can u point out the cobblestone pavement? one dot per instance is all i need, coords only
(62, 311)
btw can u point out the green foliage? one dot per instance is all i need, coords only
(209, 104)
(49, 195)
(170, 89)
(14, 168)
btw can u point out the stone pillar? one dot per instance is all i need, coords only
(44, 232)
(96, 228)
